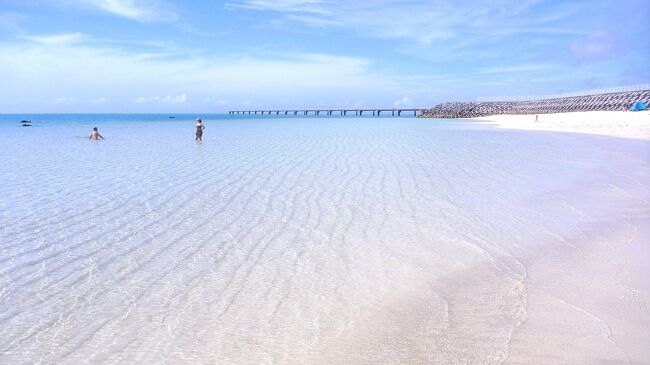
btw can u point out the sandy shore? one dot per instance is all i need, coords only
(634, 125)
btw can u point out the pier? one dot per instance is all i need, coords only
(330, 112)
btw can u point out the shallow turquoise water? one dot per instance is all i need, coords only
(287, 239)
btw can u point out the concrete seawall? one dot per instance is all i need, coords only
(603, 102)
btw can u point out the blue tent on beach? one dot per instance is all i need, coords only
(638, 106)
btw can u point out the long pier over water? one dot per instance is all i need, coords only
(329, 112)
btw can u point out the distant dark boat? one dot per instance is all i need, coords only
(25, 123)
(172, 117)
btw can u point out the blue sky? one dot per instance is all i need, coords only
(211, 56)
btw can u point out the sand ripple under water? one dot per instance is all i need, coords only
(322, 241)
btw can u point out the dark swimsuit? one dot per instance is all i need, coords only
(199, 130)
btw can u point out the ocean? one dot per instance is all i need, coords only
(317, 240)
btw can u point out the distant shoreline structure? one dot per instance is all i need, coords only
(610, 99)
(330, 112)
(614, 99)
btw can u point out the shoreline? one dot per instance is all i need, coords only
(622, 124)
(585, 293)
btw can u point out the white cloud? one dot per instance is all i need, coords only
(140, 10)
(526, 68)
(403, 102)
(217, 101)
(169, 99)
(421, 21)
(596, 45)
(91, 73)
(297, 6)
(64, 100)
(58, 39)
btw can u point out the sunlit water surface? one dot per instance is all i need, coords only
(317, 240)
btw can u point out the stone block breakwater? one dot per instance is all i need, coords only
(619, 101)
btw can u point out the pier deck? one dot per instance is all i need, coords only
(329, 112)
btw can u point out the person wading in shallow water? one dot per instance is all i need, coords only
(95, 135)
(199, 130)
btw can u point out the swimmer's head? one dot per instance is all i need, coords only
(199, 120)
(95, 129)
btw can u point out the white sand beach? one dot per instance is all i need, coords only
(594, 294)
(634, 125)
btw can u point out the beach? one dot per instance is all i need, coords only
(624, 124)
(323, 240)
(612, 247)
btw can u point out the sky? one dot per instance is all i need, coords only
(129, 56)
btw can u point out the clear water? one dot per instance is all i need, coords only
(289, 240)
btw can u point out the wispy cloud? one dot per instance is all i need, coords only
(526, 68)
(293, 6)
(64, 100)
(421, 21)
(84, 71)
(57, 39)
(140, 10)
(168, 99)
(596, 45)
(403, 102)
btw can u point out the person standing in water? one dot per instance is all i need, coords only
(199, 130)
(95, 135)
